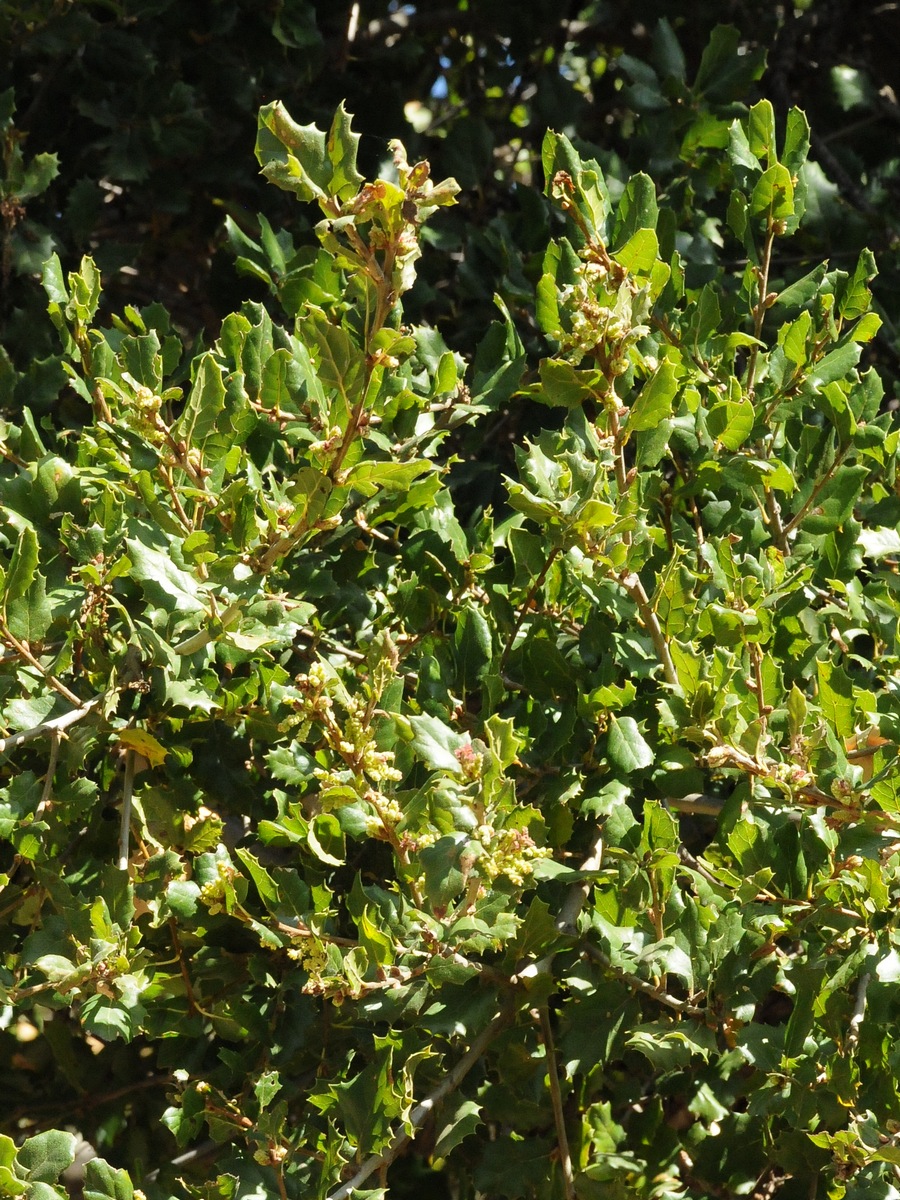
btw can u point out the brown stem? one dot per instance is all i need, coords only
(24, 651)
(815, 493)
(619, 448)
(300, 931)
(759, 687)
(166, 476)
(421, 1112)
(635, 589)
(125, 820)
(11, 456)
(282, 546)
(567, 921)
(279, 1179)
(657, 907)
(523, 610)
(47, 790)
(562, 1140)
(193, 1007)
(641, 985)
(62, 1111)
(760, 308)
(774, 513)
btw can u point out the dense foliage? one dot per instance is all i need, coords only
(362, 836)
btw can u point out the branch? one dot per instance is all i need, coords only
(635, 589)
(526, 603)
(24, 651)
(815, 493)
(641, 985)
(125, 823)
(566, 922)
(562, 1140)
(54, 727)
(859, 1011)
(421, 1112)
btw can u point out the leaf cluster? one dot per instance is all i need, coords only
(359, 836)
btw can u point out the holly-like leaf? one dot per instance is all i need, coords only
(304, 160)
(626, 746)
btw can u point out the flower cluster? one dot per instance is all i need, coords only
(213, 894)
(311, 955)
(601, 322)
(354, 741)
(508, 852)
(359, 769)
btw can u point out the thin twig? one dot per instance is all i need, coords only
(47, 792)
(523, 610)
(562, 1140)
(125, 826)
(774, 514)
(567, 920)
(641, 985)
(815, 493)
(193, 1007)
(579, 892)
(859, 1011)
(761, 306)
(421, 1112)
(696, 804)
(24, 651)
(696, 865)
(54, 727)
(635, 589)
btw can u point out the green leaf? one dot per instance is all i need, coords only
(639, 253)
(637, 212)
(326, 839)
(654, 401)
(370, 475)
(773, 194)
(804, 290)
(456, 1126)
(669, 1049)
(205, 402)
(103, 1182)
(108, 1019)
(836, 500)
(836, 697)
(163, 582)
(303, 160)
(46, 1155)
(436, 744)
(473, 647)
(667, 51)
(725, 73)
(626, 747)
(857, 298)
(22, 566)
(731, 423)
(836, 365)
(446, 865)
(183, 897)
(880, 542)
(266, 1088)
(265, 884)
(563, 386)
(38, 176)
(84, 291)
(275, 388)
(30, 616)
(760, 123)
(796, 141)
